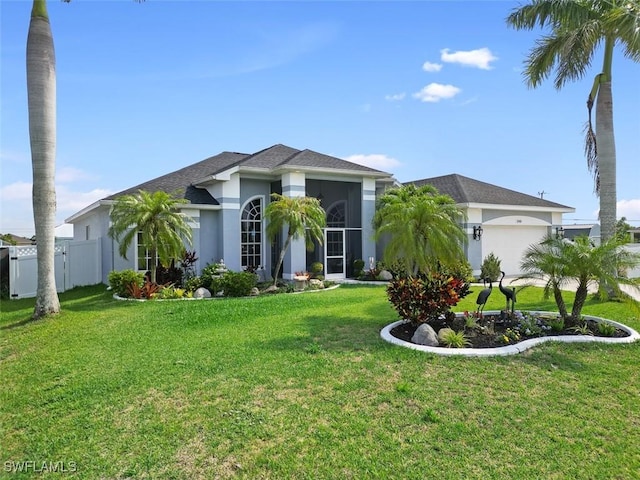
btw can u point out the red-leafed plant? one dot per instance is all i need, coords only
(427, 298)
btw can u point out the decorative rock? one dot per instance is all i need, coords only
(271, 289)
(425, 335)
(202, 293)
(385, 275)
(316, 284)
(254, 292)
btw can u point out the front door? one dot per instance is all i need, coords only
(334, 258)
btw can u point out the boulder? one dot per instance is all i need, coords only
(425, 335)
(254, 292)
(202, 293)
(271, 289)
(316, 284)
(385, 275)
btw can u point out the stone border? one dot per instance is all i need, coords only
(514, 349)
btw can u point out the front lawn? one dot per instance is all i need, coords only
(302, 387)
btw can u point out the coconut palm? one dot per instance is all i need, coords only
(558, 262)
(578, 29)
(301, 216)
(422, 228)
(163, 229)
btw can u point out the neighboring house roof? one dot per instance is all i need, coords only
(467, 191)
(11, 239)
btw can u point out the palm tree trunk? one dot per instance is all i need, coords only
(578, 302)
(557, 295)
(281, 258)
(606, 160)
(41, 91)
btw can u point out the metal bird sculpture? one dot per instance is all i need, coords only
(483, 296)
(509, 293)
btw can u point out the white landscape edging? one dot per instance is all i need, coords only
(514, 349)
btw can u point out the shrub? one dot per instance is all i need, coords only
(490, 267)
(209, 272)
(426, 298)
(606, 329)
(122, 280)
(238, 284)
(358, 267)
(193, 283)
(168, 275)
(315, 268)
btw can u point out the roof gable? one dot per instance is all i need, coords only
(467, 190)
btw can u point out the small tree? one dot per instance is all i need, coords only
(302, 216)
(164, 229)
(490, 267)
(558, 261)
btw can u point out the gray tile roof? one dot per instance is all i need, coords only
(467, 190)
(182, 181)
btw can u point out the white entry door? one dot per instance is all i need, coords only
(334, 258)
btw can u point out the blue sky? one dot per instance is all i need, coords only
(418, 89)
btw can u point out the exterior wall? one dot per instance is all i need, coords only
(209, 238)
(367, 202)
(228, 236)
(294, 185)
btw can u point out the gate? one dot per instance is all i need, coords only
(76, 263)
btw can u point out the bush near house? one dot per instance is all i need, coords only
(490, 268)
(121, 281)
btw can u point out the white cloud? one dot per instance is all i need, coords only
(71, 174)
(434, 92)
(480, 58)
(431, 67)
(629, 209)
(16, 215)
(395, 97)
(375, 160)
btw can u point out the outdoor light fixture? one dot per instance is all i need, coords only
(477, 232)
(559, 232)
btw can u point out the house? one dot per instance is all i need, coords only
(225, 196)
(499, 220)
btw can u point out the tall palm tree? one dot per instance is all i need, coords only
(578, 29)
(41, 93)
(422, 227)
(301, 216)
(559, 261)
(163, 229)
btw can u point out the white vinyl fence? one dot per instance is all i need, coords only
(77, 263)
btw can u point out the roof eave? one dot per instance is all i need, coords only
(526, 208)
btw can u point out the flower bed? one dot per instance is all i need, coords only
(506, 339)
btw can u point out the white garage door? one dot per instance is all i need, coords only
(509, 244)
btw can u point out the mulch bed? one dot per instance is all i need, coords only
(499, 324)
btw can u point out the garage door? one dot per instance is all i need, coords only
(509, 244)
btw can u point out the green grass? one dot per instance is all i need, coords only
(302, 387)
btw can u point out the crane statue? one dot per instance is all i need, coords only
(483, 296)
(509, 293)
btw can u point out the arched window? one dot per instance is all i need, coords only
(336, 215)
(251, 234)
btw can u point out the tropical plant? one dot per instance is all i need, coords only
(490, 267)
(156, 216)
(422, 227)
(119, 281)
(301, 216)
(452, 339)
(41, 93)
(578, 29)
(558, 262)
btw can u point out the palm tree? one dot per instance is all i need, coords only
(41, 93)
(559, 261)
(422, 227)
(578, 28)
(302, 216)
(163, 228)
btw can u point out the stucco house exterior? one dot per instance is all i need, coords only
(226, 195)
(499, 220)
